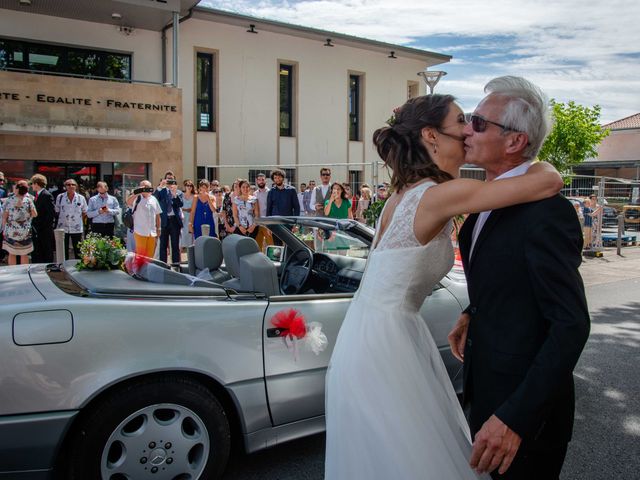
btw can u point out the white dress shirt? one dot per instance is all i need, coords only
(483, 216)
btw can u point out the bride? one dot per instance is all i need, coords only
(391, 410)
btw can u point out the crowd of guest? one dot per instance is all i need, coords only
(166, 218)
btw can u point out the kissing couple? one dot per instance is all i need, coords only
(391, 410)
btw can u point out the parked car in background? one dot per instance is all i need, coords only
(107, 375)
(631, 214)
(609, 217)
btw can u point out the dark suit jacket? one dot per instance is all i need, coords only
(45, 220)
(167, 203)
(529, 319)
(321, 199)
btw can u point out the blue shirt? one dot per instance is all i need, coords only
(97, 202)
(283, 201)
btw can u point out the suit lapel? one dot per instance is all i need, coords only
(484, 233)
(464, 239)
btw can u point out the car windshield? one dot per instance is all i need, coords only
(322, 235)
(330, 239)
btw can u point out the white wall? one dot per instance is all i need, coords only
(144, 45)
(247, 93)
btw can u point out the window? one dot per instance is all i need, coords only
(42, 57)
(354, 107)
(206, 173)
(286, 100)
(354, 180)
(413, 89)
(204, 92)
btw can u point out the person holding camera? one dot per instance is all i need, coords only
(103, 210)
(171, 201)
(146, 218)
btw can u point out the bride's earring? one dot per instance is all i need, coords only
(435, 149)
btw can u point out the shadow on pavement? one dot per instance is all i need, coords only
(606, 439)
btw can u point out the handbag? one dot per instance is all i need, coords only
(127, 215)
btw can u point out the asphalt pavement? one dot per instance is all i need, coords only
(606, 440)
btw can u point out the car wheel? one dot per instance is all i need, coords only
(162, 428)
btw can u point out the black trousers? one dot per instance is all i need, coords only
(535, 465)
(43, 243)
(75, 240)
(171, 231)
(106, 229)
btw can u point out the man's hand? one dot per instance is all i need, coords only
(495, 446)
(458, 336)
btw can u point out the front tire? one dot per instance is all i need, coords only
(161, 428)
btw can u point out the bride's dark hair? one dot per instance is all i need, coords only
(400, 144)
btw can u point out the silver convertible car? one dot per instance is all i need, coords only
(105, 374)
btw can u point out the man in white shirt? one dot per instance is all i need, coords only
(71, 208)
(146, 218)
(262, 193)
(323, 191)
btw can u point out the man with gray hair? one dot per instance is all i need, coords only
(527, 323)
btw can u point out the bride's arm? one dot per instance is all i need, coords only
(470, 196)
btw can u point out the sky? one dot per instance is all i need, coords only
(586, 51)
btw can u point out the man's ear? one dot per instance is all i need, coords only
(517, 142)
(428, 135)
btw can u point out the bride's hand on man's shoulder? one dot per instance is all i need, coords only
(550, 177)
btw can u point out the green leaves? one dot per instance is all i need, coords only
(575, 136)
(372, 213)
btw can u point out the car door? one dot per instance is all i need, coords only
(295, 377)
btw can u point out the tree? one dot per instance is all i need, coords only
(574, 137)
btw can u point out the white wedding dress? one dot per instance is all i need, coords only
(391, 411)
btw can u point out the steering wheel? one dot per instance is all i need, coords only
(296, 271)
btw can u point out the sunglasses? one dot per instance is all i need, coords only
(479, 124)
(325, 174)
(216, 191)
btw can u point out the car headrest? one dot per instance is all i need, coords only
(207, 253)
(235, 246)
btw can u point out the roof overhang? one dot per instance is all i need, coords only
(143, 14)
(338, 39)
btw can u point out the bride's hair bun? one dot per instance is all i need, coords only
(400, 144)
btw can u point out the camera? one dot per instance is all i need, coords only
(140, 190)
(171, 181)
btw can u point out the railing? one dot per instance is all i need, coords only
(82, 76)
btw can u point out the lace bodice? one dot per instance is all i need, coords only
(399, 233)
(401, 272)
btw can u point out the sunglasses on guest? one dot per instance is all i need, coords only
(479, 124)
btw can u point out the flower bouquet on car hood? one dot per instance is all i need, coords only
(98, 252)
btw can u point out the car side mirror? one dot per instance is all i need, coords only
(275, 253)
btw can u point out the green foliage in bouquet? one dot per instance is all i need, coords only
(372, 213)
(98, 252)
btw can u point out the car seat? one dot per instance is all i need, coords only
(206, 254)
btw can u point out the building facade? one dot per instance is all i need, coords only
(619, 152)
(88, 90)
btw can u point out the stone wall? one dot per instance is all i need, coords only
(44, 117)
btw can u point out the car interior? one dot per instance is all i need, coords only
(238, 265)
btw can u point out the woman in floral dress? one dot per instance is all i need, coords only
(19, 209)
